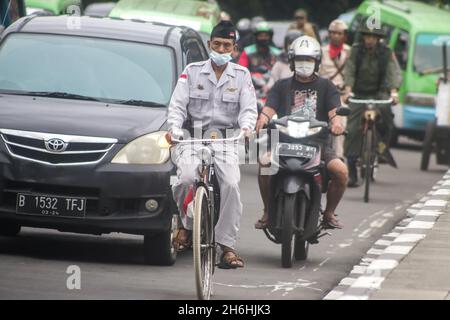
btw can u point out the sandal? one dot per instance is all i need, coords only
(331, 223)
(182, 239)
(230, 260)
(262, 223)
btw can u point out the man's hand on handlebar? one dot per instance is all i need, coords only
(394, 97)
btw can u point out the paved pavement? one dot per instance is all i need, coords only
(411, 262)
(35, 264)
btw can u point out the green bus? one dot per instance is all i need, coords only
(52, 7)
(201, 16)
(415, 32)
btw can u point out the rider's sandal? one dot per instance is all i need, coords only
(262, 224)
(230, 260)
(331, 223)
(182, 239)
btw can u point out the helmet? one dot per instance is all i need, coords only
(305, 46)
(225, 16)
(263, 26)
(290, 36)
(338, 26)
(255, 21)
(366, 28)
(243, 25)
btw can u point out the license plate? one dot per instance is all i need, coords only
(296, 150)
(51, 206)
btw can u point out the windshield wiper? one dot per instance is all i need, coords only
(62, 95)
(432, 70)
(142, 103)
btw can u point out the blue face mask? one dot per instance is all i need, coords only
(220, 59)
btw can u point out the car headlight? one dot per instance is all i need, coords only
(298, 129)
(152, 148)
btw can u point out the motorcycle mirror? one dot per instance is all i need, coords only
(343, 111)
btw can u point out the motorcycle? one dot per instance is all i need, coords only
(297, 186)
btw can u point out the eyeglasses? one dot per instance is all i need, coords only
(300, 18)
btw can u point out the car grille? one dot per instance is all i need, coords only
(78, 150)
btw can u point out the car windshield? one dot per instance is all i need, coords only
(109, 70)
(428, 52)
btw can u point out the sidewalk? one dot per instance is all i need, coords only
(425, 272)
(413, 261)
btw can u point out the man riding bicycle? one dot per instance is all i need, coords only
(312, 96)
(370, 73)
(212, 95)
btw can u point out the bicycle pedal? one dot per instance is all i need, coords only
(324, 234)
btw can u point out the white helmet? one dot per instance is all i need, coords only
(306, 47)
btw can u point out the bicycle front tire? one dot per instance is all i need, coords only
(368, 162)
(203, 241)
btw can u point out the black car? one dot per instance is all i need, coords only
(82, 117)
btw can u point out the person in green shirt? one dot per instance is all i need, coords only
(370, 73)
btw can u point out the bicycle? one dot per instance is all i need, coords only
(369, 160)
(206, 215)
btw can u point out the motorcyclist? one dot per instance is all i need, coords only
(370, 73)
(334, 58)
(261, 55)
(312, 96)
(259, 58)
(281, 68)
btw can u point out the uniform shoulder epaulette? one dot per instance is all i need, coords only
(196, 64)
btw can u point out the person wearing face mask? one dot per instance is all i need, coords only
(261, 56)
(334, 58)
(210, 97)
(370, 73)
(307, 95)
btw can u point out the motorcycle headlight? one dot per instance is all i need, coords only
(152, 148)
(298, 129)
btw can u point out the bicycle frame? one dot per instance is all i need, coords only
(369, 161)
(204, 223)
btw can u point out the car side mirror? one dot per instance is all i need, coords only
(343, 111)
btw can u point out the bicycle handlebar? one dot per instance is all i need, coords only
(370, 101)
(232, 139)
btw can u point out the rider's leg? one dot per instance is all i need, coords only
(228, 176)
(353, 142)
(264, 189)
(338, 173)
(187, 163)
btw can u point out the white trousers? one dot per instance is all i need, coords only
(226, 162)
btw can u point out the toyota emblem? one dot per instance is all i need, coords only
(56, 145)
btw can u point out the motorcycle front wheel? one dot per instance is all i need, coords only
(287, 232)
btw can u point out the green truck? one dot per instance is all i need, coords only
(52, 7)
(415, 32)
(201, 16)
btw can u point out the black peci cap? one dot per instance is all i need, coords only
(225, 29)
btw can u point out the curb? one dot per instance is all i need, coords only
(387, 253)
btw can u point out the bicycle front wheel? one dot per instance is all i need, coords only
(203, 244)
(368, 163)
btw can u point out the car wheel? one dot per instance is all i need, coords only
(159, 249)
(9, 229)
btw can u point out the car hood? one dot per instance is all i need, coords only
(76, 117)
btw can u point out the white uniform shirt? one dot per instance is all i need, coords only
(229, 102)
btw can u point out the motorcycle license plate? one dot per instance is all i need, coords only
(296, 150)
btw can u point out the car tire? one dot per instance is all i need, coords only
(9, 229)
(159, 249)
